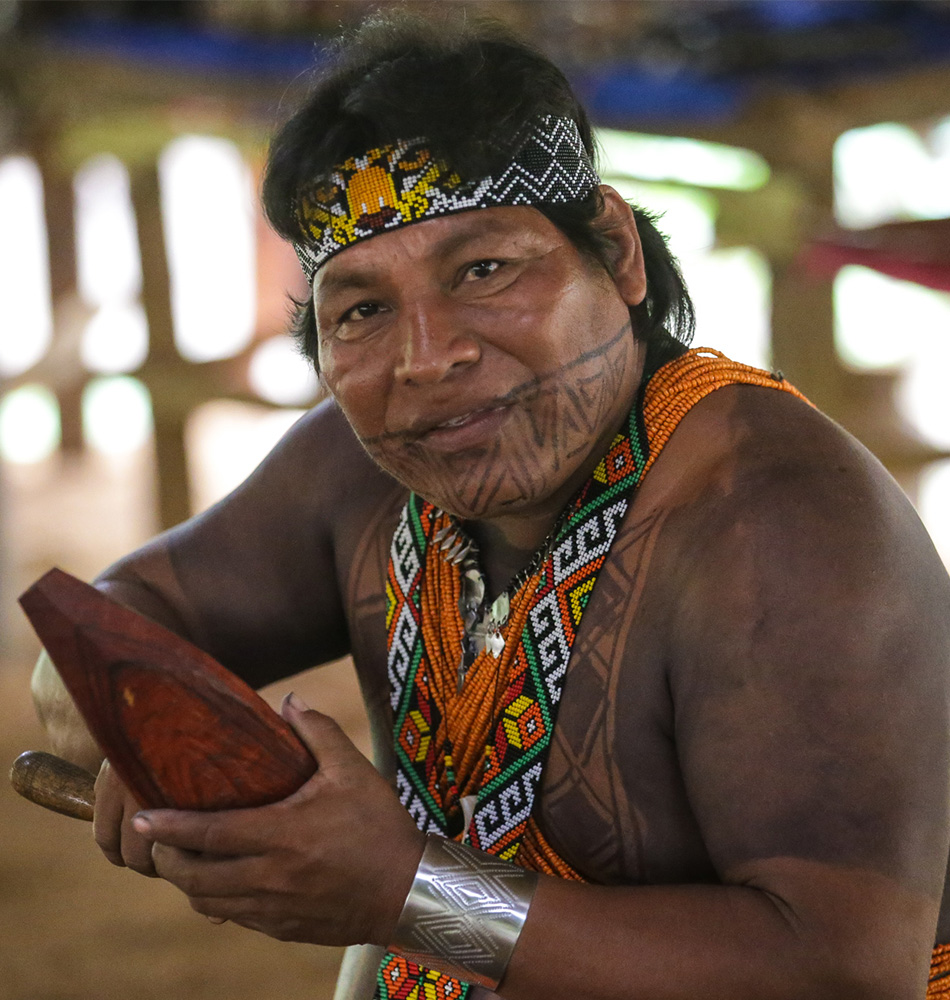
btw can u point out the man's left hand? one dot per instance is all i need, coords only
(331, 864)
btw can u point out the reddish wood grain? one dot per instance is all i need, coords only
(179, 729)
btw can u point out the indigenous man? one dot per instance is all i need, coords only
(663, 711)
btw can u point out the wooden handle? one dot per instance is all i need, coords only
(54, 783)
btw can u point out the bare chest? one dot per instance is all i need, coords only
(612, 800)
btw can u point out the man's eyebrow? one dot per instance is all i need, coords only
(355, 278)
(458, 238)
(358, 277)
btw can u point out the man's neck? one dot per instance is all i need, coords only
(506, 548)
(509, 542)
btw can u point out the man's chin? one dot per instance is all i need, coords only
(473, 485)
(472, 500)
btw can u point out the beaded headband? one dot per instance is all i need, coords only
(399, 184)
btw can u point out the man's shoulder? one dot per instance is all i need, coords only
(747, 454)
(771, 510)
(324, 432)
(761, 507)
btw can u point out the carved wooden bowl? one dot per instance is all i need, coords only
(180, 730)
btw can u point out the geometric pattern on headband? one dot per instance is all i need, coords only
(402, 183)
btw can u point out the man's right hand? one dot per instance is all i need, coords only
(112, 825)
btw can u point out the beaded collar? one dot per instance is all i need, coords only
(546, 615)
(484, 620)
(425, 584)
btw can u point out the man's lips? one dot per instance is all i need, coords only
(429, 426)
(451, 420)
(473, 428)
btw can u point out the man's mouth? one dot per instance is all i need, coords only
(466, 417)
(425, 429)
(473, 429)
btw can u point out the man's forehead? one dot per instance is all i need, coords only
(432, 239)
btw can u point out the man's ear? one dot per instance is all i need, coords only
(617, 223)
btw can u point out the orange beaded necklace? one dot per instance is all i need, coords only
(939, 982)
(470, 754)
(467, 713)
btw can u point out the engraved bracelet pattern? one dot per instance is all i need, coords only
(464, 912)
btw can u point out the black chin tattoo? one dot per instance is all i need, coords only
(559, 415)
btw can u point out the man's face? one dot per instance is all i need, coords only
(480, 359)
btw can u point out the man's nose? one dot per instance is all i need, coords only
(433, 342)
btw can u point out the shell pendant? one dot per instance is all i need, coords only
(497, 619)
(495, 642)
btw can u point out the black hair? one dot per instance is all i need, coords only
(469, 88)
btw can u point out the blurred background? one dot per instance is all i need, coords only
(798, 153)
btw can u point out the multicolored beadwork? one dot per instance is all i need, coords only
(527, 709)
(399, 184)
(546, 612)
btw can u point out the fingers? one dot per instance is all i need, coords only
(222, 889)
(329, 864)
(112, 825)
(204, 877)
(320, 734)
(107, 817)
(239, 911)
(227, 833)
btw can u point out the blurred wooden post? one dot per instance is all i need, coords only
(803, 334)
(800, 147)
(800, 144)
(796, 134)
(59, 212)
(169, 418)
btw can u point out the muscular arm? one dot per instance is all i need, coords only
(808, 681)
(259, 579)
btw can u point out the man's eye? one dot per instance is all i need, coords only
(482, 269)
(362, 311)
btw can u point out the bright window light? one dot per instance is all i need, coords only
(731, 289)
(280, 374)
(870, 309)
(940, 139)
(26, 315)
(923, 399)
(732, 293)
(686, 217)
(29, 424)
(882, 323)
(107, 248)
(208, 209)
(883, 173)
(226, 441)
(886, 172)
(933, 504)
(115, 339)
(687, 161)
(116, 414)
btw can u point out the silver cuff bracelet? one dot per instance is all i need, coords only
(464, 912)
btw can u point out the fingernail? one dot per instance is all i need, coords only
(297, 703)
(141, 823)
